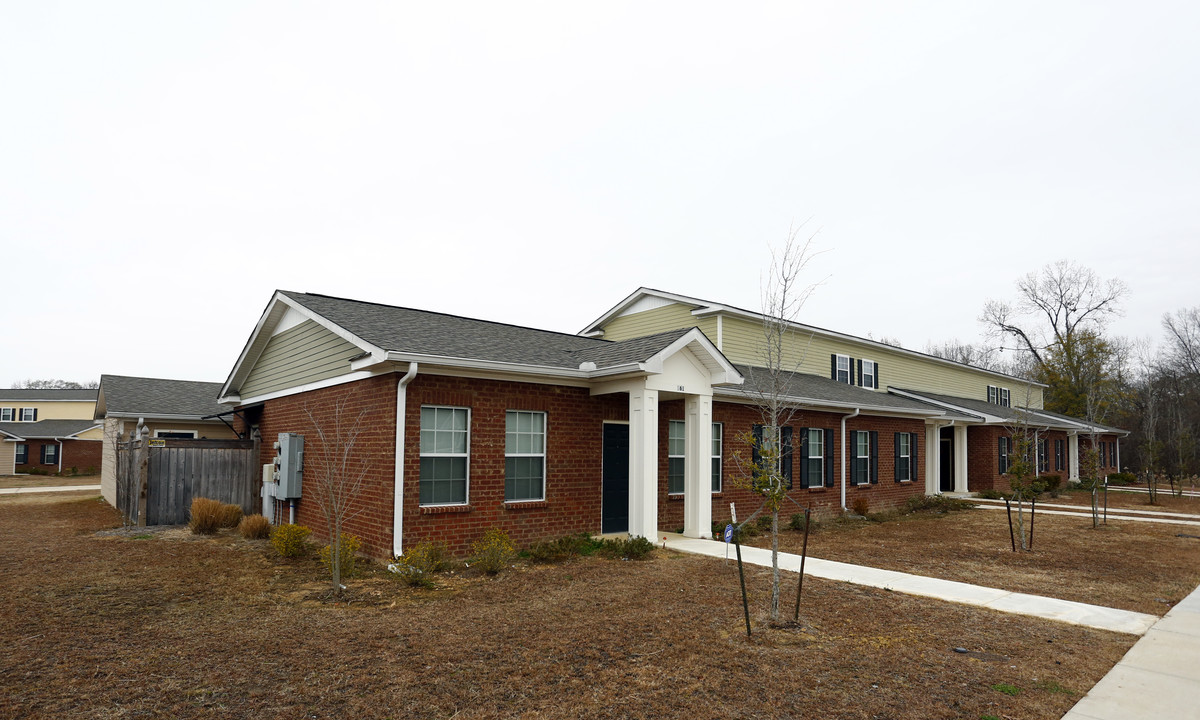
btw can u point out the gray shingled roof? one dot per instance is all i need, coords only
(1008, 414)
(818, 389)
(421, 332)
(28, 394)
(47, 428)
(151, 397)
(1059, 416)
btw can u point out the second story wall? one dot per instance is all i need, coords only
(299, 355)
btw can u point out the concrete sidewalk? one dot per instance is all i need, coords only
(1095, 616)
(59, 488)
(1158, 678)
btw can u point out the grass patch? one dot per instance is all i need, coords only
(1007, 689)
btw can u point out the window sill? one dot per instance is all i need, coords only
(674, 497)
(518, 505)
(444, 509)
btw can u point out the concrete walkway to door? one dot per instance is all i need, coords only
(57, 488)
(1077, 613)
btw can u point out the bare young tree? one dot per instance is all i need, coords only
(335, 468)
(1183, 339)
(783, 295)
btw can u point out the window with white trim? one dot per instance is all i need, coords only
(445, 443)
(866, 374)
(676, 442)
(842, 369)
(7, 414)
(993, 394)
(176, 434)
(49, 454)
(864, 466)
(22, 454)
(1043, 455)
(717, 437)
(816, 457)
(524, 456)
(1004, 397)
(903, 457)
(28, 414)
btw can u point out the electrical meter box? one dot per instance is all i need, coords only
(290, 461)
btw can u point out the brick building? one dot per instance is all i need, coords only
(642, 423)
(48, 431)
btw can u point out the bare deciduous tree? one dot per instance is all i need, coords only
(55, 384)
(335, 468)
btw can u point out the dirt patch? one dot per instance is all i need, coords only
(1130, 565)
(167, 626)
(23, 481)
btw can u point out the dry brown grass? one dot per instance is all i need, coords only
(1130, 565)
(101, 627)
(254, 527)
(206, 516)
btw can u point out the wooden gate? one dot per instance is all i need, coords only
(158, 478)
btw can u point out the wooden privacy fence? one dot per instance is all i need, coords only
(157, 478)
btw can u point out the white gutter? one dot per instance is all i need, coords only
(398, 492)
(60, 448)
(844, 419)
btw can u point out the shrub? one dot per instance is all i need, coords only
(421, 561)
(860, 505)
(991, 494)
(206, 516)
(564, 548)
(494, 551)
(937, 503)
(797, 522)
(231, 515)
(290, 540)
(1052, 484)
(254, 527)
(348, 553)
(633, 548)
(1122, 478)
(91, 470)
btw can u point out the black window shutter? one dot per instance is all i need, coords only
(874, 456)
(876, 376)
(43, 459)
(785, 459)
(896, 454)
(851, 370)
(833, 366)
(805, 481)
(829, 458)
(912, 448)
(859, 372)
(35, 415)
(755, 456)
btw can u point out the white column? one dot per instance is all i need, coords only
(1073, 457)
(960, 458)
(697, 467)
(643, 463)
(932, 458)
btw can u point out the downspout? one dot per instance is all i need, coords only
(60, 450)
(398, 492)
(844, 419)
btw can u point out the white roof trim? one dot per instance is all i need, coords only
(731, 392)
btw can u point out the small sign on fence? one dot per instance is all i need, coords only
(158, 442)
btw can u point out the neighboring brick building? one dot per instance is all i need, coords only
(48, 431)
(463, 424)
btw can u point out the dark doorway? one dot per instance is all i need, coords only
(946, 460)
(614, 497)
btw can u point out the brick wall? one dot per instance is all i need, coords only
(983, 447)
(80, 454)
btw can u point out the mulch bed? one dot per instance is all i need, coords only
(172, 626)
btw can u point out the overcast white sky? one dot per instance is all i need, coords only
(165, 166)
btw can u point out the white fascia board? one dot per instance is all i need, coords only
(495, 365)
(9, 437)
(713, 359)
(276, 308)
(164, 416)
(983, 419)
(817, 403)
(594, 330)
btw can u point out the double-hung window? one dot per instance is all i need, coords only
(1043, 455)
(1005, 447)
(524, 456)
(445, 442)
(764, 437)
(717, 443)
(816, 468)
(28, 414)
(906, 457)
(7, 414)
(676, 441)
(865, 454)
(22, 454)
(842, 369)
(49, 454)
(1058, 454)
(1004, 397)
(993, 395)
(868, 374)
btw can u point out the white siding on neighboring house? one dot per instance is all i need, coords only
(8, 458)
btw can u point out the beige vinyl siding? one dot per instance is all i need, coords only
(300, 355)
(742, 342)
(653, 321)
(96, 433)
(55, 409)
(8, 457)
